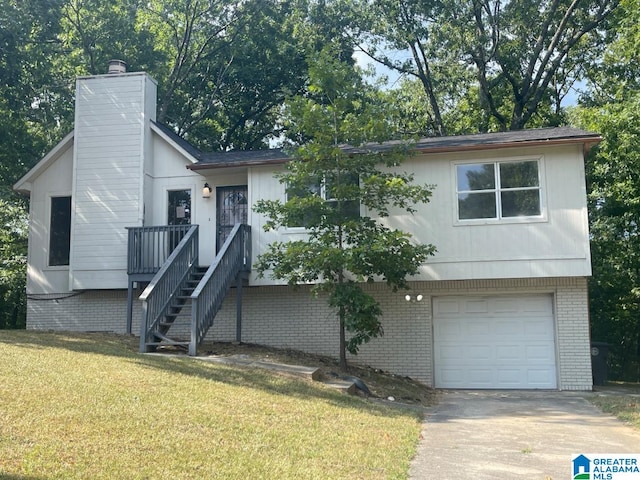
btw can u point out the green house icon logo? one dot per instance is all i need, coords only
(581, 468)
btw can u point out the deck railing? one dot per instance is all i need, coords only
(150, 247)
(165, 285)
(206, 300)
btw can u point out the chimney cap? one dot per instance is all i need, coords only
(117, 66)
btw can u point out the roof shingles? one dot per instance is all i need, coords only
(557, 135)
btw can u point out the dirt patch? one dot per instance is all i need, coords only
(381, 384)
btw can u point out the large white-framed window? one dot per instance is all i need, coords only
(505, 190)
(59, 230)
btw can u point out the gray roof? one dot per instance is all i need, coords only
(481, 141)
(513, 138)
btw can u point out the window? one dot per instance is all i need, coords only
(331, 194)
(60, 231)
(178, 213)
(179, 207)
(498, 190)
(348, 188)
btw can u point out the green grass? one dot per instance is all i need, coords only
(624, 406)
(77, 406)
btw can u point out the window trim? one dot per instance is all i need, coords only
(499, 220)
(178, 188)
(47, 246)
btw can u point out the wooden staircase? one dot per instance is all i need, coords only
(181, 290)
(179, 311)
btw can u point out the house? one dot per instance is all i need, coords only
(123, 212)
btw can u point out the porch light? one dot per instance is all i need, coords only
(206, 191)
(417, 298)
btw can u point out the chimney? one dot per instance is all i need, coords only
(117, 66)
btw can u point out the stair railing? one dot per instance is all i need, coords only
(206, 300)
(150, 247)
(165, 285)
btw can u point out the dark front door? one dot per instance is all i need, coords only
(232, 208)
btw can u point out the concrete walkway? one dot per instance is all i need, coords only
(514, 435)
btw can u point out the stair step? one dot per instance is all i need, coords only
(309, 373)
(174, 343)
(344, 386)
(178, 308)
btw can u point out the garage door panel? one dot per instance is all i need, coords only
(479, 352)
(508, 328)
(537, 327)
(508, 353)
(480, 376)
(480, 327)
(539, 377)
(539, 353)
(538, 305)
(494, 342)
(452, 354)
(453, 376)
(505, 305)
(446, 307)
(476, 306)
(510, 377)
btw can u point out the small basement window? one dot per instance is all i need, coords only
(60, 231)
(498, 190)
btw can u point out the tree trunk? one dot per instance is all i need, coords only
(343, 343)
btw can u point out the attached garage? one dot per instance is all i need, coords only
(502, 342)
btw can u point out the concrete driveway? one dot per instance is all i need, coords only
(515, 435)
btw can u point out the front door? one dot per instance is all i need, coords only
(232, 208)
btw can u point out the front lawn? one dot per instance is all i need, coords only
(79, 406)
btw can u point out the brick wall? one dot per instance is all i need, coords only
(87, 311)
(282, 317)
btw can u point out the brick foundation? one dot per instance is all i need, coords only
(279, 316)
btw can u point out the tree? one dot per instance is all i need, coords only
(613, 181)
(514, 57)
(13, 260)
(33, 103)
(613, 174)
(328, 189)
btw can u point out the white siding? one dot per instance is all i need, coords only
(111, 151)
(555, 245)
(54, 181)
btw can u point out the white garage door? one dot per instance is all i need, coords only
(494, 342)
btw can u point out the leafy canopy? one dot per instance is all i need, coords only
(340, 185)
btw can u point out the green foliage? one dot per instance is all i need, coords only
(511, 61)
(358, 308)
(13, 261)
(613, 181)
(613, 173)
(324, 182)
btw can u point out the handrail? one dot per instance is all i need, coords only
(206, 300)
(150, 247)
(166, 284)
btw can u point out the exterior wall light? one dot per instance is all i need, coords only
(206, 191)
(417, 298)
